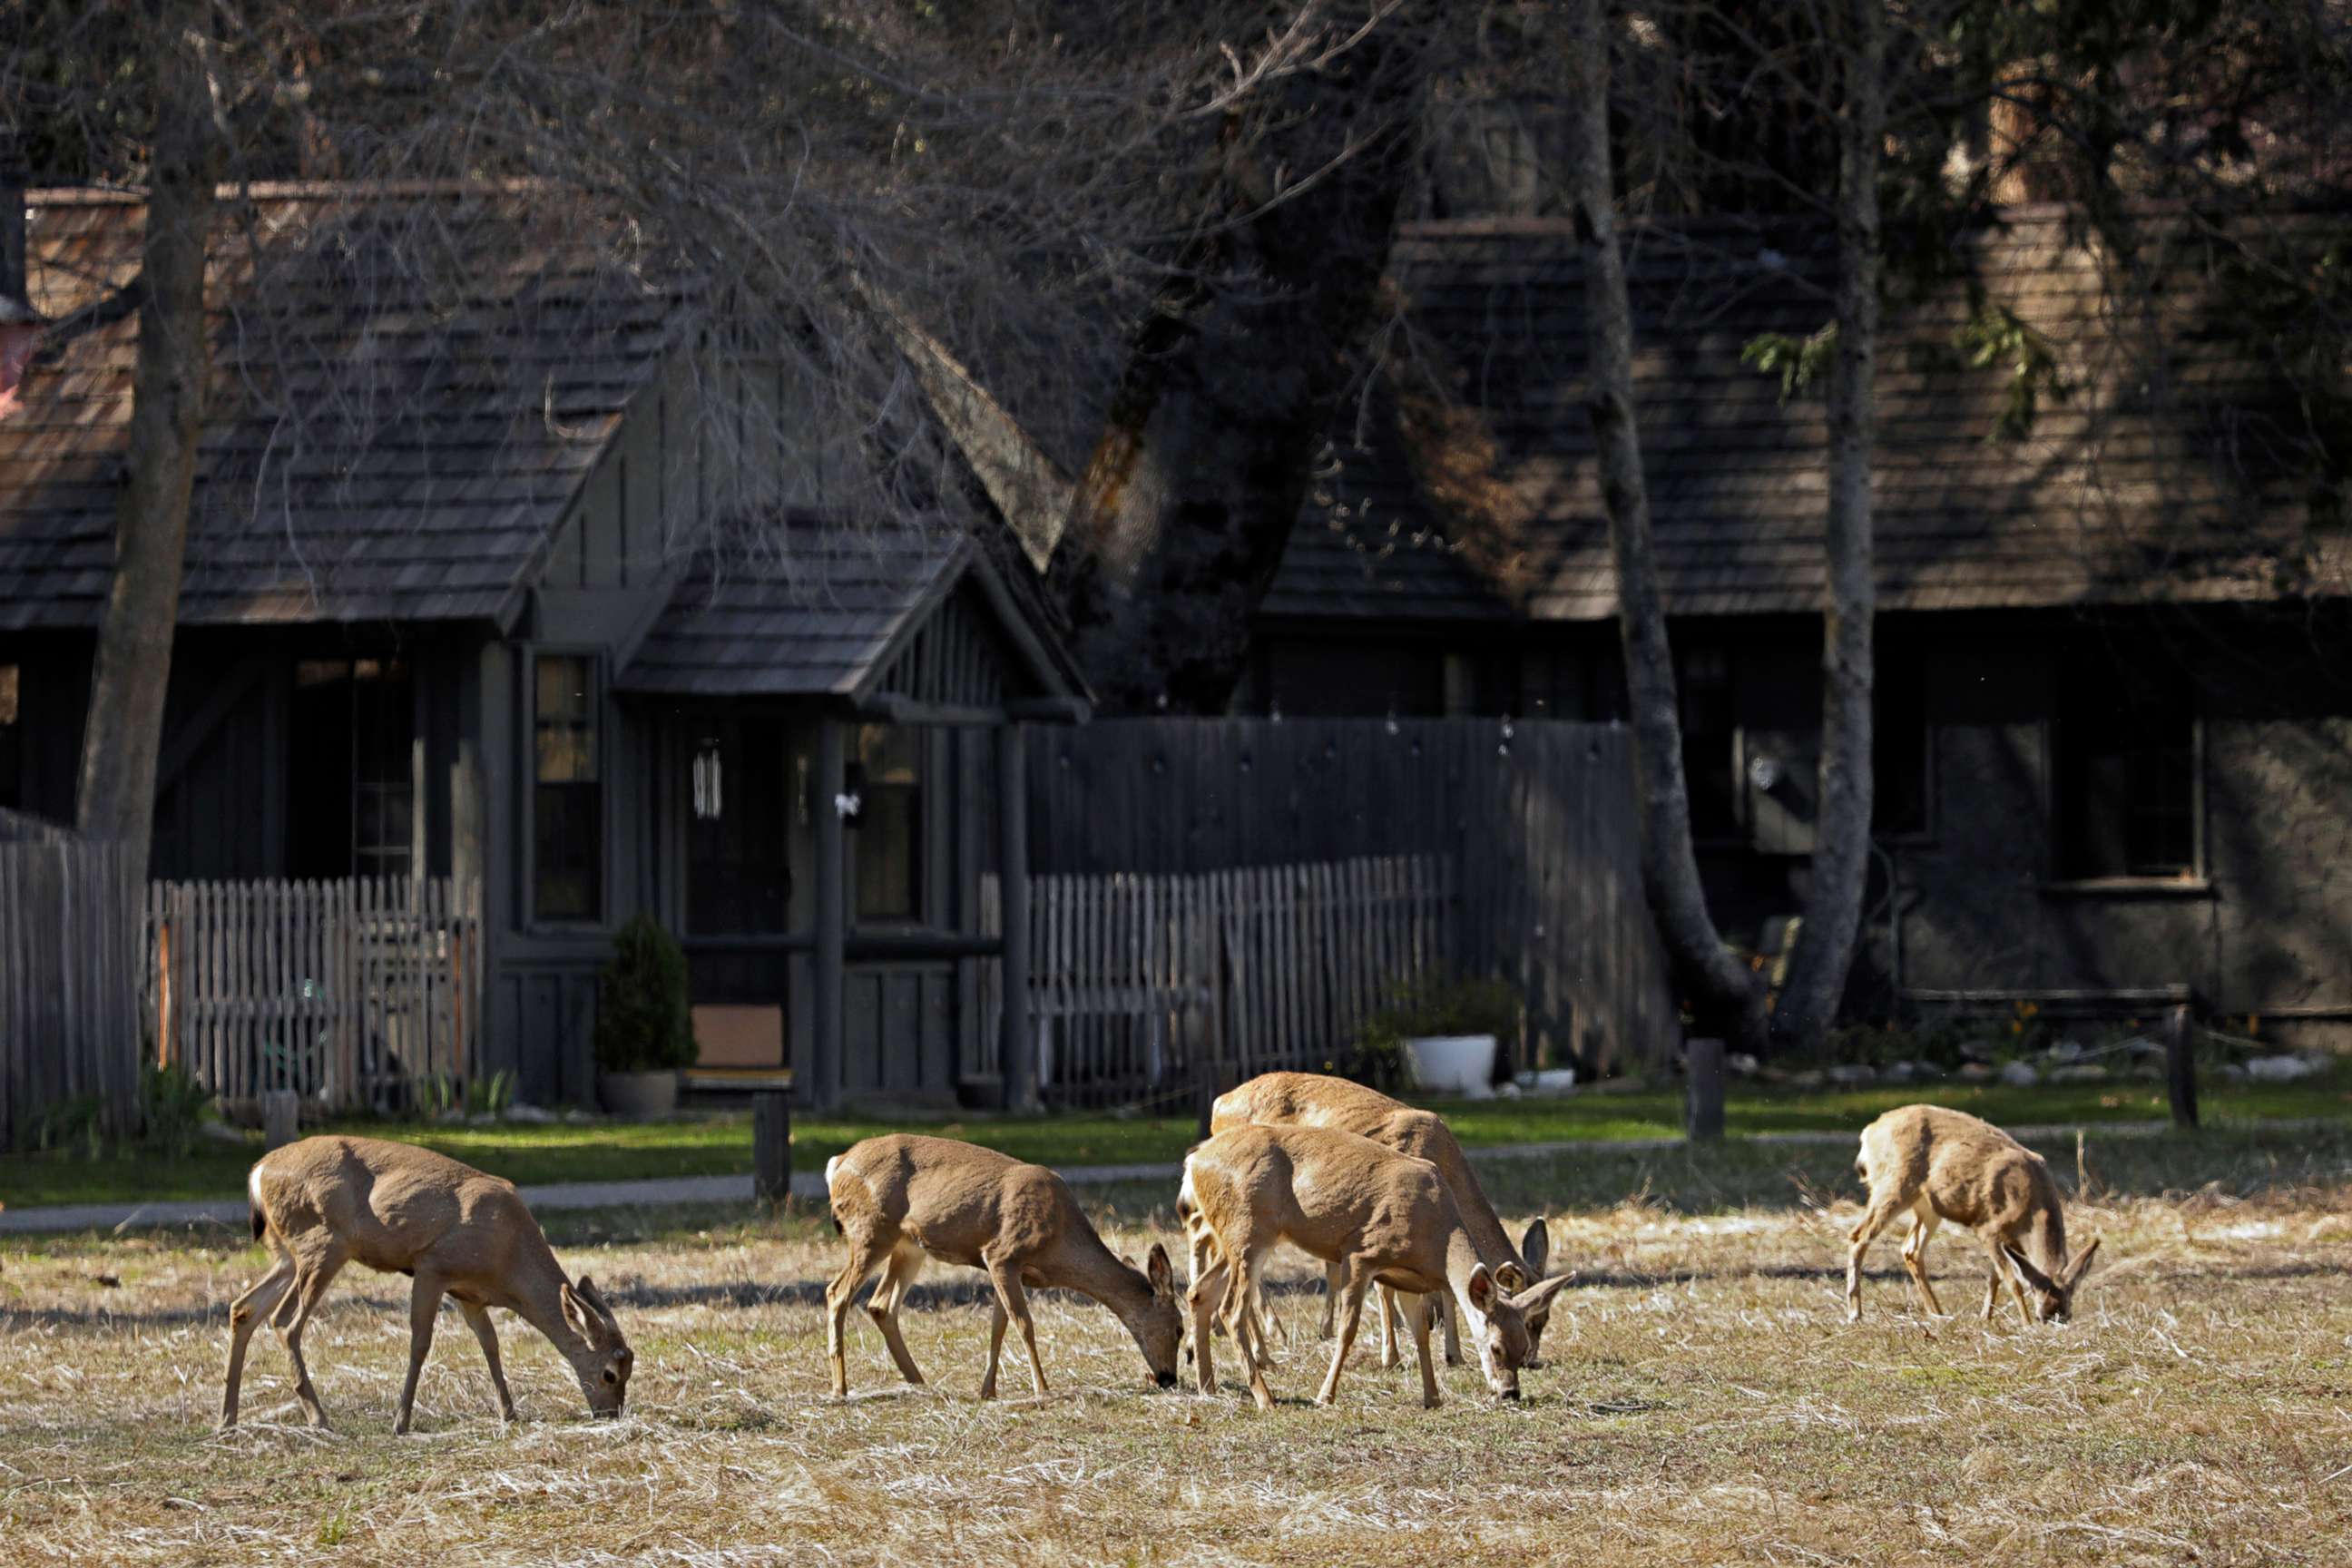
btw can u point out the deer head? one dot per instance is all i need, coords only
(2053, 1299)
(601, 1358)
(1500, 1304)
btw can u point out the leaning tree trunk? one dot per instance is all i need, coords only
(1180, 517)
(1840, 871)
(1726, 994)
(122, 737)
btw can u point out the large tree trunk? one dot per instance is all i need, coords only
(1182, 515)
(1841, 870)
(1725, 995)
(123, 735)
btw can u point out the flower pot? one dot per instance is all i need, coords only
(639, 1094)
(1454, 1063)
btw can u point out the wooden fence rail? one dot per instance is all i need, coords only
(346, 992)
(68, 980)
(1142, 987)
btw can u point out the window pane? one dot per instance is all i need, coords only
(567, 816)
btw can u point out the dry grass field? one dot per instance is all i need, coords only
(1705, 1402)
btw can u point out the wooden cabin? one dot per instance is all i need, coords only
(456, 607)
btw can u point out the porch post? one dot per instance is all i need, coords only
(831, 921)
(1019, 1041)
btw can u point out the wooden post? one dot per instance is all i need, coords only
(772, 1145)
(826, 970)
(1703, 1108)
(1016, 1059)
(281, 1118)
(2181, 1066)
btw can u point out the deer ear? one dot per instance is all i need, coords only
(1511, 1277)
(1543, 1290)
(1481, 1289)
(2033, 1277)
(2081, 1264)
(1535, 1247)
(1161, 1273)
(576, 1312)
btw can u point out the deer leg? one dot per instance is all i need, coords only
(866, 1254)
(1417, 1310)
(1875, 1218)
(1441, 1308)
(1206, 1299)
(478, 1318)
(1391, 1310)
(1351, 1313)
(424, 1306)
(1250, 1261)
(905, 1262)
(1993, 1286)
(1335, 1280)
(996, 1322)
(1914, 1258)
(309, 1284)
(1006, 1277)
(245, 1315)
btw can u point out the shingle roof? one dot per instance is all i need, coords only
(2137, 485)
(410, 386)
(821, 608)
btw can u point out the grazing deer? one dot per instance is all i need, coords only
(399, 1209)
(1948, 1165)
(1380, 1216)
(1317, 1100)
(899, 1199)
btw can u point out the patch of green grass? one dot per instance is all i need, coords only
(720, 1144)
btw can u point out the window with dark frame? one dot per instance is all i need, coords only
(2125, 779)
(11, 736)
(887, 847)
(1710, 739)
(1900, 754)
(567, 791)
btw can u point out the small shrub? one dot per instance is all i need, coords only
(172, 1110)
(1419, 1009)
(643, 1024)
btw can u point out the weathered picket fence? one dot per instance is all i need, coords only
(1142, 986)
(69, 1043)
(1537, 821)
(346, 993)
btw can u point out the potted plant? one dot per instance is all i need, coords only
(645, 1033)
(1445, 1034)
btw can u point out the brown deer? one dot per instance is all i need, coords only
(899, 1199)
(1942, 1164)
(1381, 1216)
(1318, 1099)
(399, 1209)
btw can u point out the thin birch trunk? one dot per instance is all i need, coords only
(1841, 867)
(1725, 993)
(122, 739)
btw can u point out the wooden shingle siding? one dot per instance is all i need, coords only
(2116, 495)
(409, 392)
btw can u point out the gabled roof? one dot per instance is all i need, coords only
(2157, 476)
(411, 385)
(827, 609)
